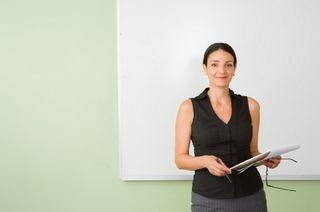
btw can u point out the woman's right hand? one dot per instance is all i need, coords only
(216, 166)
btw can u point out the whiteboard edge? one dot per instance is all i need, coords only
(189, 177)
(120, 146)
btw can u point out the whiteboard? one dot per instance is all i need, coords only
(160, 48)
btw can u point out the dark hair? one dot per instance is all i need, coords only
(216, 46)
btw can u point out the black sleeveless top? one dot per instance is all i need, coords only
(230, 142)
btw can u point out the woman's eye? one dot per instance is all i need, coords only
(229, 65)
(214, 65)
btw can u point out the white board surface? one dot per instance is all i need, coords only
(160, 48)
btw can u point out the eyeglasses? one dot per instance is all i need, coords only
(281, 188)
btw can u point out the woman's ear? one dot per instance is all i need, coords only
(204, 69)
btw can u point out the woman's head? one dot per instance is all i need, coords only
(217, 46)
(219, 64)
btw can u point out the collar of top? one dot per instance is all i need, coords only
(204, 94)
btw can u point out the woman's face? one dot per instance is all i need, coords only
(220, 68)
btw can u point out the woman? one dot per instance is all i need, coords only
(223, 127)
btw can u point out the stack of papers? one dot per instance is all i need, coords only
(241, 167)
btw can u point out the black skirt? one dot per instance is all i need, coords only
(252, 203)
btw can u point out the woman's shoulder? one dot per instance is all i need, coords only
(253, 104)
(186, 105)
(185, 112)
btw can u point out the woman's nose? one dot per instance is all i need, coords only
(221, 70)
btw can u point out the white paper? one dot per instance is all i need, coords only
(282, 150)
(263, 156)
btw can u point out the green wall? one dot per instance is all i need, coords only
(58, 96)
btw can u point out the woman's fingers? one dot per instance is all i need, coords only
(223, 166)
(273, 162)
(217, 167)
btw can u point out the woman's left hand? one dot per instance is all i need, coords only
(272, 162)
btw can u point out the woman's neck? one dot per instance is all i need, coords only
(219, 94)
